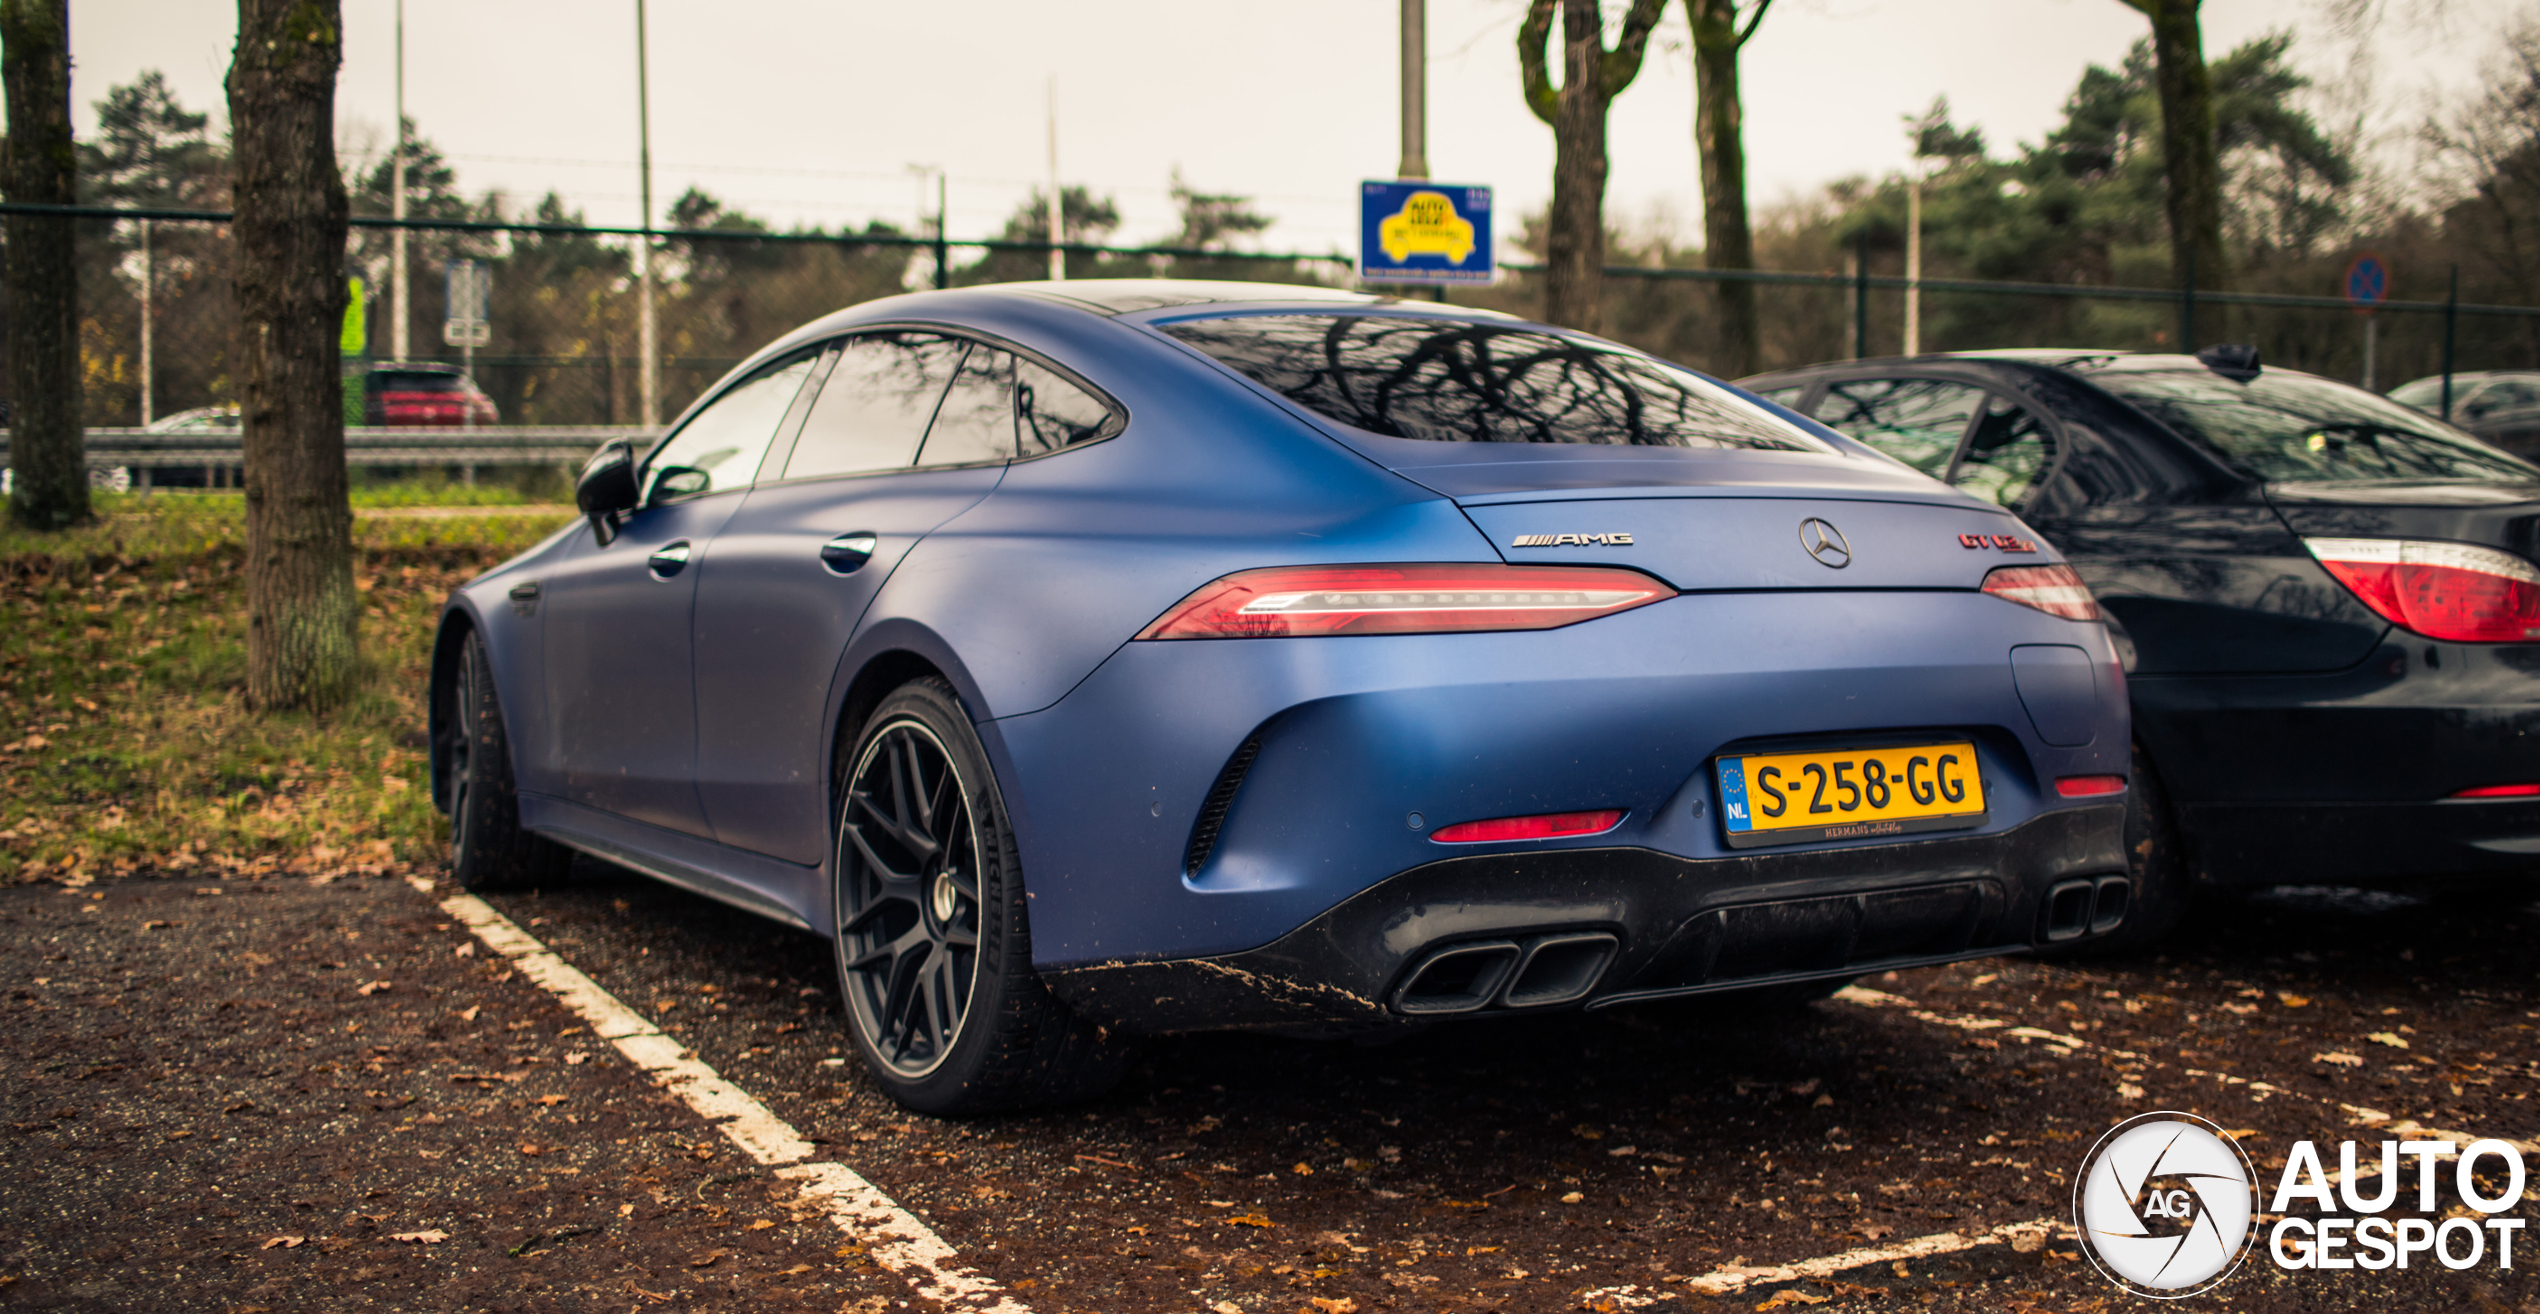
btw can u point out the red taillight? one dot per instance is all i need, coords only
(2055, 590)
(2455, 591)
(2089, 786)
(2500, 791)
(1285, 601)
(1550, 825)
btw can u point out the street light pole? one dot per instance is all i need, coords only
(1415, 91)
(397, 341)
(649, 410)
(1058, 232)
(1914, 264)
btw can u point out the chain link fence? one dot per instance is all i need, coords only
(159, 310)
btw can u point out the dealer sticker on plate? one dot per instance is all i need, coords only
(1791, 798)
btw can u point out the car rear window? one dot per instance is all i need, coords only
(1459, 381)
(414, 381)
(2285, 426)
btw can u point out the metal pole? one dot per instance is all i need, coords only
(2451, 322)
(398, 345)
(1861, 297)
(1914, 267)
(1415, 91)
(1057, 225)
(146, 355)
(943, 239)
(650, 384)
(2372, 324)
(2187, 305)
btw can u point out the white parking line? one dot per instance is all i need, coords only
(1731, 1277)
(892, 1236)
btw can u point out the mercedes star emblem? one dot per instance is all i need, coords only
(1825, 542)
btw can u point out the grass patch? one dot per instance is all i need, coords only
(125, 741)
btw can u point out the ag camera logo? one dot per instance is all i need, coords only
(2164, 1205)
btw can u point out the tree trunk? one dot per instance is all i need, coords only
(1719, 136)
(2190, 158)
(47, 449)
(290, 229)
(1574, 292)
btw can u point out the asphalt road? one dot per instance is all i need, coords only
(193, 1079)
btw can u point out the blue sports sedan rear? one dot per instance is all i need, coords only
(1097, 659)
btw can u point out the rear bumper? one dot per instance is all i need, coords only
(2363, 843)
(2343, 778)
(1637, 924)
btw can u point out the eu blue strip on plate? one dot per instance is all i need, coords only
(1733, 793)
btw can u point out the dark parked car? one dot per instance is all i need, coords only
(2326, 601)
(1099, 658)
(2501, 406)
(412, 393)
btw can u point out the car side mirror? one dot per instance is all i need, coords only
(607, 489)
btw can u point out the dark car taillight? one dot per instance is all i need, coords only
(2459, 592)
(1298, 601)
(2055, 590)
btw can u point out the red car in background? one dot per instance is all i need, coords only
(441, 396)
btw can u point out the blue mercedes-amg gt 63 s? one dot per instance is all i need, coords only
(1097, 659)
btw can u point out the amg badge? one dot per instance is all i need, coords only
(1571, 540)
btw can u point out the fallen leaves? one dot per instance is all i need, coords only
(1251, 1220)
(1792, 1296)
(2391, 1038)
(428, 1237)
(375, 987)
(2292, 1000)
(709, 1259)
(283, 1243)
(2340, 1058)
(1333, 1304)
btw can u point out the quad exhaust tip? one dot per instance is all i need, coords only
(2090, 906)
(1536, 973)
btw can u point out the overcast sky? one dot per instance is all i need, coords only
(811, 111)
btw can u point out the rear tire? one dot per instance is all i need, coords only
(488, 848)
(934, 945)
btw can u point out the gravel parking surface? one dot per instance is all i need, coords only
(193, 1075)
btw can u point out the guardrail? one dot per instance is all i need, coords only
(217, 449)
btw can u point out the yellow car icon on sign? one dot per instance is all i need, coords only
(1426, 225)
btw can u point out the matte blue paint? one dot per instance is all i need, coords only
(687, 726)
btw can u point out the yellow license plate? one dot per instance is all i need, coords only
(1790, 798)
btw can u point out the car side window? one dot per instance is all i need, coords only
(1917, 421)
(873, 410)
(2006, 453)
(2508, 395)
(719, 448)
(1053, 412)
(976, 421)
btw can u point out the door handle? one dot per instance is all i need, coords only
(847, 553)
(668, 559)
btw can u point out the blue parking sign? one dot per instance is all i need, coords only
(1424, 232)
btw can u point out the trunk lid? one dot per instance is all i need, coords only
(2497, 515)
(1723, 519)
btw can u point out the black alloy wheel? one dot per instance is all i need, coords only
(934, 947)
(908, 902)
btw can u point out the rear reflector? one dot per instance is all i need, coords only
(2460, 592)
(2055, 590)
(2501, 791)
(1296, 601)
(2087, 786)
(1550, 825)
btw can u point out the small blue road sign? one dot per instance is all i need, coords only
(1424, 232)
(2367, 282)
